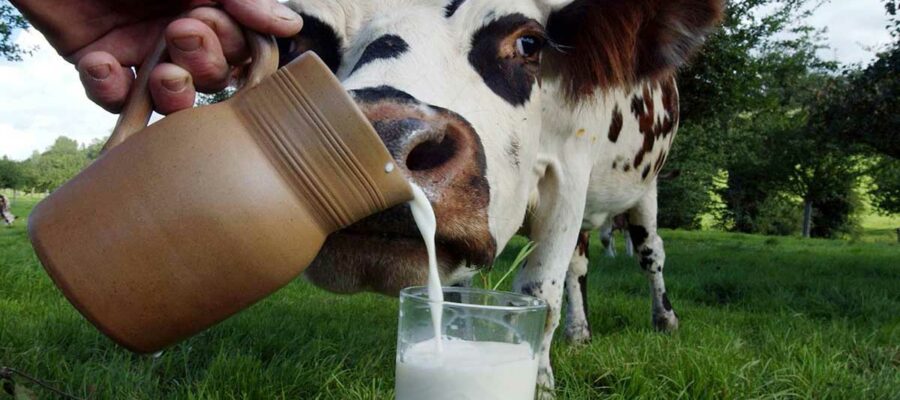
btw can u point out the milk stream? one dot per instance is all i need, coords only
(451, 369)
(425, 219)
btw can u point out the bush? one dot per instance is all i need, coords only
(779, 215)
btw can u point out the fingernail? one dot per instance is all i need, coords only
(188, 43)
(99, 72)
(175, 85)
(286, 13)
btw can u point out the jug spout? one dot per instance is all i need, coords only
(339, 165)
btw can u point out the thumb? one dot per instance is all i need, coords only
(264, 16)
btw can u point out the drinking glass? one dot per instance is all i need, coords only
(490, 343)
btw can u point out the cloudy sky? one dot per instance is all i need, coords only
(41, 98)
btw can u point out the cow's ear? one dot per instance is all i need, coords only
(607, 43)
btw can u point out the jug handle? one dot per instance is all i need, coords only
(139, 105)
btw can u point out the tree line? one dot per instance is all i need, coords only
(775, 139)
(47, 171)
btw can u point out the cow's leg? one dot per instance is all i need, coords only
(649, 246)
(607, 239)
(629, 245)
(555, 227)
(578, 329)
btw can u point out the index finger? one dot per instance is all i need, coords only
(265, 16)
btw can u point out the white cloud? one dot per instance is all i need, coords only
(852, 26)
(42, 99)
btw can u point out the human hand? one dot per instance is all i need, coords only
(105, 38)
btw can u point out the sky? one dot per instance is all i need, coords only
(41, 97)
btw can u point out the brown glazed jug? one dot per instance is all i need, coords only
(209, 210)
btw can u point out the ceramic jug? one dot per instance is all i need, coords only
(181, 224)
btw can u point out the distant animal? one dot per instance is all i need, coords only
(486, 104)
(619, 223)
(7, 215)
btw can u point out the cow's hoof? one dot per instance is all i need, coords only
(545, 385)
(666, 322)
(579, 334)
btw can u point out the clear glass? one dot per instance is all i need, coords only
(489, 349)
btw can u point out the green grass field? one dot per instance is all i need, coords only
(760, 318)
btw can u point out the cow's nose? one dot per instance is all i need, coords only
(419, 146)
(436, 147)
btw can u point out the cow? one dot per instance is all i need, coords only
(564, 110)
(619, 223)
(5, 214)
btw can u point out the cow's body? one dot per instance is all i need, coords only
(622, 139)
(473, 113)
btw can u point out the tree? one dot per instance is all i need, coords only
(10, 21)
(60, 163)
(861, 108)
(11, 175)
(724, 85)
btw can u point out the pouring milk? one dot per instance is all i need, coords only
(444, 368)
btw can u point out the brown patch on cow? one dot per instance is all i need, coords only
(581, 133)
(618, 43)
(670, 103)
(660, 161)
(627, 168)
(615, 127)
(584, 243)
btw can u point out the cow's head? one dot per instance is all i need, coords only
(454, 88)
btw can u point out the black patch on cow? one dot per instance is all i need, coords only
(452, 7)
(666, 303)
(381, 93)
(615, 165)
(582, 282)
(627, 168)
(383, 48)
(317, 37)
(509, 77)
(532, 289)
(646, 172)
(638, 234)
(646, 259)
(637, 106)
(615, 128)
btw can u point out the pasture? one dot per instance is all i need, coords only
(760, 318)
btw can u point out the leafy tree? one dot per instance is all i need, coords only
(11, 175)
(62, 161)
(885, 173)
(728, 84)
(10, 21)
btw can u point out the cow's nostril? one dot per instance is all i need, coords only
(432, 154)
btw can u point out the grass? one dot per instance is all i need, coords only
(760, 318)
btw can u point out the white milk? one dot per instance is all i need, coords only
(424, 216)
(457, 369)
(467, 371)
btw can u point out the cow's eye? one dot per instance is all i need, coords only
(529, 46)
